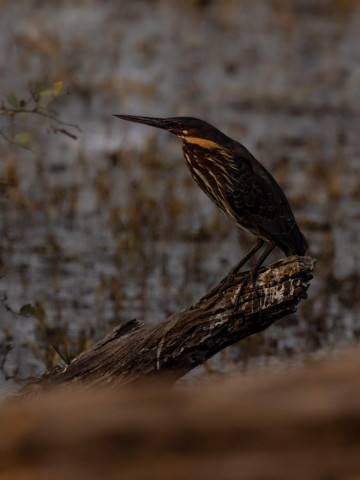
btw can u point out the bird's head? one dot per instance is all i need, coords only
(188, 129)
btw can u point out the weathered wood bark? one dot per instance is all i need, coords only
(133, 351)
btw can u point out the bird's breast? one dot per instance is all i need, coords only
(212, 163)
(209, 169)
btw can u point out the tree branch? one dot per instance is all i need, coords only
(133, 351)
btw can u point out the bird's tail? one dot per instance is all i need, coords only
(294, 242)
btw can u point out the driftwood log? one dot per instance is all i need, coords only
(133, 351)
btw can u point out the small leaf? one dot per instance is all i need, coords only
(57, 88)
(43, 91)
(27, 309)
(39, 91)
(25, 139)
(13, 101)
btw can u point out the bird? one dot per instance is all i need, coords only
(238, 184)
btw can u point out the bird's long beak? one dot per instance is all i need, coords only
(165, 123)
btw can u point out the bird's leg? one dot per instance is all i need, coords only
(247, 257)
(252, 275)
(255, 271)
(230, 276)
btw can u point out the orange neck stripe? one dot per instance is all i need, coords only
(202, 142)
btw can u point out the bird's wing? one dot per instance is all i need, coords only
(261, 205)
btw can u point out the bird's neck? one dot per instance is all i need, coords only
(200, 142)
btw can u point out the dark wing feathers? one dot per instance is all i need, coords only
(261, 205)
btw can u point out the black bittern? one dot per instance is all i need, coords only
(229, 174)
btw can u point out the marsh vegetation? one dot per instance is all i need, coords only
(111, 225)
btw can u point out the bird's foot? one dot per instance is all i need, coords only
(251, 276)
(225, 283)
